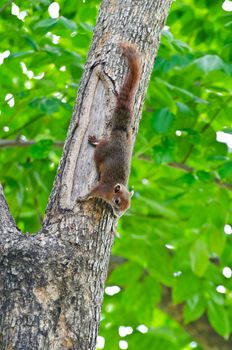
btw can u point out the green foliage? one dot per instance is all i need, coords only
(219, 318)
(42, 74)
(162, 120)
(173, 235)
(199, 258)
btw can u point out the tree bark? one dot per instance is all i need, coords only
(52, 283)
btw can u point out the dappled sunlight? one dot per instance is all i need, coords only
(177, 273)
(225, 138)
(169, 246)
(221, 289)
(228, 229)
(54, 38)
(4, 55)
(178, 133)
(6, 128)
(9, 98)
(124, 331)
(100, 342)
(227, 272)
(227, 5)
(142, 329)
(54, 9)
(15, 11)
(112, 290)
(123, 344)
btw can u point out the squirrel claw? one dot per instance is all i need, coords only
(93, 140)
(83, 199)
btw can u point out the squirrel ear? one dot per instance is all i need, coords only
(132, 193)
(117, 188)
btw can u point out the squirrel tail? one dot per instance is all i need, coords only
(125, 98)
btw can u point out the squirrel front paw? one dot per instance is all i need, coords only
(83, 199)
(93, 140)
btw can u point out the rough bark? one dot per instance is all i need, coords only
(52, 283)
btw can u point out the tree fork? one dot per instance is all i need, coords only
(52, 283)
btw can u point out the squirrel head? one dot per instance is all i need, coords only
(117, 196)
(120, 200)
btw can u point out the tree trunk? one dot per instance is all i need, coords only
(52, 283)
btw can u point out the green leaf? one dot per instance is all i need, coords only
(194, 308)
(119, 276)
(87, 27)
(54, 50)
(187, 179)
(48, 105)
(162, 154)
(218, 318)
(162, 120)
(217, 214)
(199, 257)
(226, 170)
(185, 286)
(140, 303)
(158, 207)
(20, 195)
(210, 63)
(184, 109)
(211, 292)
(168, 35)
(31, 42)
(162, 95)
(181, 46)
(180, 91)
(21, 54)
(41, 149)
(217, 240)
(204, 176)
(228, 25)
(160, 265)
(68, 23)
(227, 130)
(46, 23)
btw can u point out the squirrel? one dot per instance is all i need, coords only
(112, 156)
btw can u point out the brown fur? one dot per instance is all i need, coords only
(112, 156)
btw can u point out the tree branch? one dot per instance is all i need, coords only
(181, 166)
(6, 220)
(31, 121)
(8, 3)
(21, 143)
(189, 169)
(60, 144)
(222, 184)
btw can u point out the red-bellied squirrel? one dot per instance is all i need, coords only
(112, 155)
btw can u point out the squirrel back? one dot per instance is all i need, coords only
(125, 99)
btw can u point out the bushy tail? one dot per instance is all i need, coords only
(125, 98)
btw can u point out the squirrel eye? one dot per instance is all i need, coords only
(117, 201)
